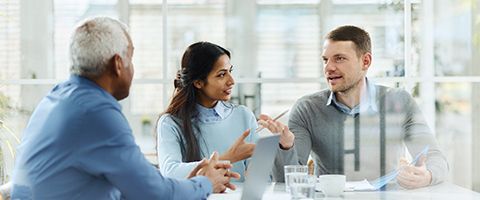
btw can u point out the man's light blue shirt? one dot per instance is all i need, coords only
(78, 145)
(367, 101)
(219, 128)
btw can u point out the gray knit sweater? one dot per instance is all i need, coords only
(328, 136)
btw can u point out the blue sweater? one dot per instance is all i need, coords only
(219, 129)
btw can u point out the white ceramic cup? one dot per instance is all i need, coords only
(332, 185)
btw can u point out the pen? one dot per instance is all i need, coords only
(423, 152)
(274, 119)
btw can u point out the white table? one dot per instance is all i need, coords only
(444, 191)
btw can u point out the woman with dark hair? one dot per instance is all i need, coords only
(200, 120)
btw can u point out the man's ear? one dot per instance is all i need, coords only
(198, 84)
(366, 60)
(117, 65)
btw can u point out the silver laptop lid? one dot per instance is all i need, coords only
(260, 167)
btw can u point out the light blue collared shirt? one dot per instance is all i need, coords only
(367, 101)
(78, 145)
(215, 114)
(219, 128)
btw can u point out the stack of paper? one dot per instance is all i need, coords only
(359, 186)
(354, 186)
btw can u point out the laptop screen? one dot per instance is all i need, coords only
(260, 167)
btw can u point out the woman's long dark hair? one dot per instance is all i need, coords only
(197, 62)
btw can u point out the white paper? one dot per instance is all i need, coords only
(353, 186)
(358, 186)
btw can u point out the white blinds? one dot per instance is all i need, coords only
(288, 41)
(289, 46)
(188, 22)
(10, 48)
(67, 13)
(9, 39)
(146, 31)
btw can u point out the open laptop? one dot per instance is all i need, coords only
(260, 167)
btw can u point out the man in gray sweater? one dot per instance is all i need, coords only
(358, 128)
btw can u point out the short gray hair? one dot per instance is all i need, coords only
(94, 42)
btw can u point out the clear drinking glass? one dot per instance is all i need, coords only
(293, 170)
(302, 186)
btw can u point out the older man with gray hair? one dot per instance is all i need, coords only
(78, 144)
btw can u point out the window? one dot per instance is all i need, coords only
(67, 13)
(288, 41)
(9, 93)
(427, 47)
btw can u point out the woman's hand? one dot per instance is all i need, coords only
(240, 150)
(286, 137)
